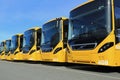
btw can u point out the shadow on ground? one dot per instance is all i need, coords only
(93, 68)
(84, 67)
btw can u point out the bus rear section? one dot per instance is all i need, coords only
(94, 33)
(31, 45)
(54, 39)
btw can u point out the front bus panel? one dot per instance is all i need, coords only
(17, 54)
(35, 53)
(28, 43)
(91, 34)
(31, 45)
(59, 54)
(7, 50)
(14, 46)
(52, 40)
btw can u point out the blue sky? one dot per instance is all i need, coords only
(16, 16)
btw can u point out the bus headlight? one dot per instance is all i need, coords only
(16, 52)
(57, 50)
(105, 47)
(32, 51)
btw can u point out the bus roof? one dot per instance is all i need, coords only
(19, 34)
(7, 39)
(63, 18)
(35, 28)
(82, 4)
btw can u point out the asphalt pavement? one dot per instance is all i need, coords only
(47, 71)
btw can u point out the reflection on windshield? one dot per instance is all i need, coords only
(8, 45)
(89, 25)
(28, 40)
(51, 35)
(14, 43)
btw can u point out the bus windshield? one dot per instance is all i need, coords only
(28, 40)
(89, 24)
(1, 47)
(14, 43)
(51, 35)
(8, 46)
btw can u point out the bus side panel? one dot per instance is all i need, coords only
(18, 56)
(107, 58)
(47, 56)
(60, 56)
(35, 56)
(117, 54)
(9, 57)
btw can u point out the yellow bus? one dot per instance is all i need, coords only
(54, 40)
(31, 45)
(16, 47)
(7, 48)
(94, 33)
(2, 50)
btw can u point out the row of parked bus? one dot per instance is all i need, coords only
(91, 35)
